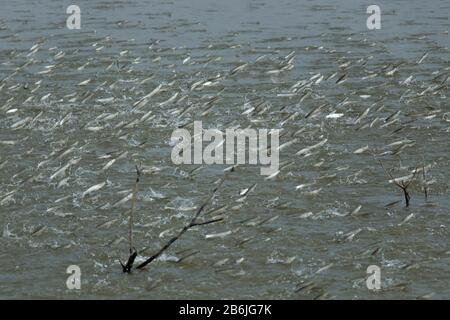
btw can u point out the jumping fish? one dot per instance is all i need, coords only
(93, 189)
(308, 149)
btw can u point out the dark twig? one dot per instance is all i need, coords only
(207, 222)
(405, 186)
(133, 205)
(191, 224)
(126, 268)
(401, 184)
(424, 180)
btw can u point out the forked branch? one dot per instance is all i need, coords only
(402, 184)
(193, 222)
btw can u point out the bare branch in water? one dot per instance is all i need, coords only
(388, 173)
(133, 205)
(207, 222)
(191, 224)
(401, 184)
(126, 268)
(424, 180)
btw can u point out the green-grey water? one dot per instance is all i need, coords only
(72, 116)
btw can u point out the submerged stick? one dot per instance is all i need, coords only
(133, 205)
(193, 222)
(126, 268)
(401, 184)
(424, 180)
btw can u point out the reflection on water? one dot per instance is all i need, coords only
(79, 108)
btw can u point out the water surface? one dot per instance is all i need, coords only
(309, 232)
